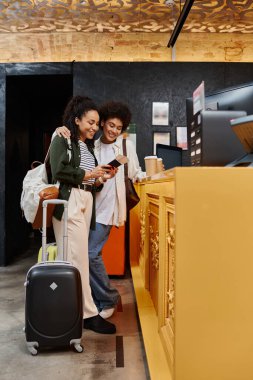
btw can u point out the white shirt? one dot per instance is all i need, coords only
(134, 172)
(106, 205)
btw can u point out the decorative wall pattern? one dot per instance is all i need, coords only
(19, 16)
(224, 16)
(86, 16)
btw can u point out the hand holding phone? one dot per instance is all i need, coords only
(112, 167)
(119, 160)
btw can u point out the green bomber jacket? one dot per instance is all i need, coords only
(67, 171)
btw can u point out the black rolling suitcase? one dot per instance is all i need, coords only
(53, 307)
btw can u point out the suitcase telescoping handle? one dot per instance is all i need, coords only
(44, 226)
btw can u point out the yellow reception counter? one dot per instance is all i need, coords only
(191, 250)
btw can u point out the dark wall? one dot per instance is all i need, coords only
(141, 83)
(2, 164)
(34, 108)
(136, 83)
(34, 99)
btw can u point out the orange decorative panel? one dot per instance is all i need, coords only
(114, 252)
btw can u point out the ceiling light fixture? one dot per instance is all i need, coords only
(180, 22)
(169, 3)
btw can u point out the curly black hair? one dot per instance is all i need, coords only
(77, 107)
(117, 110)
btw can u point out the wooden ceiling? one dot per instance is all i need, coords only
(36, 16)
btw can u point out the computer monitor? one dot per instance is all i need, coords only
(171, 155)
(234, 99)
(238, 98)
(219, 144)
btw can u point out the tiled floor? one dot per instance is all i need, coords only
(120, 356)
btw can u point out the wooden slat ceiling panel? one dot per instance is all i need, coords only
(224, 16)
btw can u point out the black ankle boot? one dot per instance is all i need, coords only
(99, 325)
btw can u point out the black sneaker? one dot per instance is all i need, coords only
(99, 325)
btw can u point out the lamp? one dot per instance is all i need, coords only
(180, 22)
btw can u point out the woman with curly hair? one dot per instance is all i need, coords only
(74, 166)
(111, 201)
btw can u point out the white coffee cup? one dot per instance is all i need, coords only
(150, 165)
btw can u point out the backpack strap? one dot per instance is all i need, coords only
(48, 153)
(125, 154)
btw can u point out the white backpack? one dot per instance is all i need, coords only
(36, 180)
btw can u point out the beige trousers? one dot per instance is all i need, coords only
(79, 217)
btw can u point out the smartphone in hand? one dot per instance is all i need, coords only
(119, 160)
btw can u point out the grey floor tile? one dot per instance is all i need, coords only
(99, 359)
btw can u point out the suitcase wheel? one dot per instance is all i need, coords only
(77, 347)
(33, 351)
